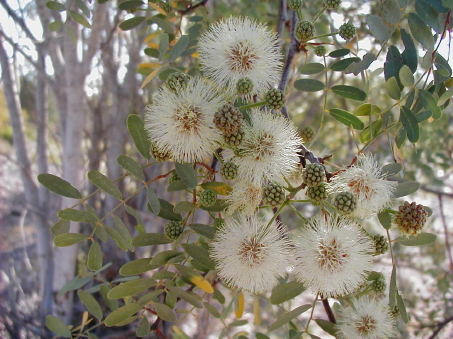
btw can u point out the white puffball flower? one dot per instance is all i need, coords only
(250, 255)
(244, 198)
(365, 180)
(182, 123)
(333, 255)
(239, 47)
(367, 318)
(269, 149)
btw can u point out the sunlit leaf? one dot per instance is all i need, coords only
(393, 89)
(346, 118)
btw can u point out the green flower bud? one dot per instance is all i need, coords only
(228, 119)
(229, 170)
(208, 197)
(305, 30)
(347, 31)
(274, 195)
(174, 229)
(317, 194)
(314, 174)
(275, 99)
(244, 86)
(345, 203)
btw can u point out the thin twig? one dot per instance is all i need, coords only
(329, 312)
(440, 326)
(192, 8)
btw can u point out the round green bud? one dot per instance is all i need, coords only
(320, 50)
(174, 229)
(166, 7)
(244, 86)
(177, 81)
(294, 4)
(158, 154)
(307, 133)
(317, 194)
(305, 30)
(274, 195)
(345, 202)
(228, 119)
(333, 4)
(313, 174)
(229, 170)
(234, 139)
(219, 223)
(410, 218)
(347, 31)
(381, 244)
(379, 285)
(173, 177)
(208, 197)
(275, 99)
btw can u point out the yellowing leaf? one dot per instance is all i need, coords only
(148, 65)
(256, 311)
(239, 310)
(151, 36)
(202, 283)
(150, 77)
(195, 55)
(153, 45)
(157, 8)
